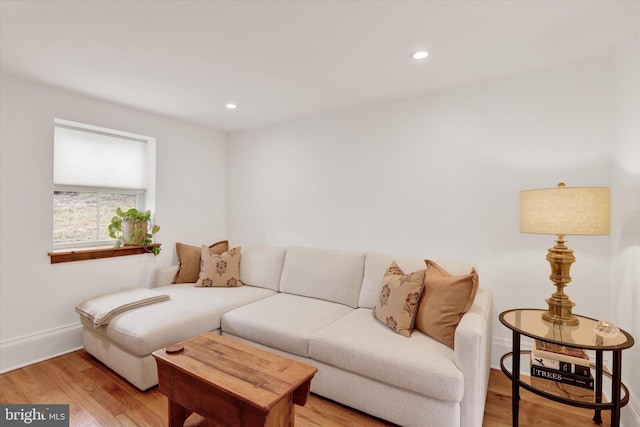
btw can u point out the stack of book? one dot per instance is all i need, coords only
(566, 365)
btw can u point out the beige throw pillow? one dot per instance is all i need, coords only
(398, 302)
(189, 260)
(219, 270)
(445, 300)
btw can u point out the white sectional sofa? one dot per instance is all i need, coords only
(315, 305)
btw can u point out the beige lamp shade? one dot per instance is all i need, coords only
(566, 210)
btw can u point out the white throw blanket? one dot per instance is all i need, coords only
(102, 308)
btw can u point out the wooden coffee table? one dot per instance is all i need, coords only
(231, 383)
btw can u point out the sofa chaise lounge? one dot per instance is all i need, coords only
(315, 305)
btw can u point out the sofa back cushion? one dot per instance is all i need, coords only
(376, 264)
(262, 266)
(325, 274)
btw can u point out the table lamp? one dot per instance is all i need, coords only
(564, 211)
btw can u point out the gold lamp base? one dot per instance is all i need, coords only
(560, 313)
(560, 258)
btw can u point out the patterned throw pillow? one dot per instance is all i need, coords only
(445, 300)
(189, 260)
(219, 270)
(398, 302)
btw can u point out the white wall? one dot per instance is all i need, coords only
(626, 212)
(439, 176)
(37, 299)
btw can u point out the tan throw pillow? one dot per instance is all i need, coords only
(219, 270)
(189, 260)
(445, 300)
(399, 299)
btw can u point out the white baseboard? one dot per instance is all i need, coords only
(499, 347)
(26, 350)
(630, 416)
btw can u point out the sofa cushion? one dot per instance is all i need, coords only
(321, 273)
(445, 300)
(220, 270)
(399, 297)
(190, 311)
(376, 264)
(359, 343)
(189, 260)
(283, 321)
(262, 266)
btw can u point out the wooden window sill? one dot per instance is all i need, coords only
(97, 253)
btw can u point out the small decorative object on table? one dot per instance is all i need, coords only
(606, 329)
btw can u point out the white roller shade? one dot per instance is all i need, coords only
(95, 159)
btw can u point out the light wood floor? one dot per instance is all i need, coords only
(98, 397)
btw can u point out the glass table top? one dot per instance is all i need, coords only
(529, 322)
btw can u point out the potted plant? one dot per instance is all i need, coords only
(131, 228)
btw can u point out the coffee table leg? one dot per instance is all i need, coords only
(301, 394)
(178, 414)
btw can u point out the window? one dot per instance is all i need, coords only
(95, 171)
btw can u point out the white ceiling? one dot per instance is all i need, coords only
(281, 60)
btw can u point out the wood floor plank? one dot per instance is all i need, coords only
(121, 399)
(325, 413)
(10, 392)
(99, 397)
(80, 360)
(80, 392)
(31, 380)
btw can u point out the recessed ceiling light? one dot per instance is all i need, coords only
(421, 54)
(231, 106)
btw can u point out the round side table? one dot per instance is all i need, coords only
(529, 322)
